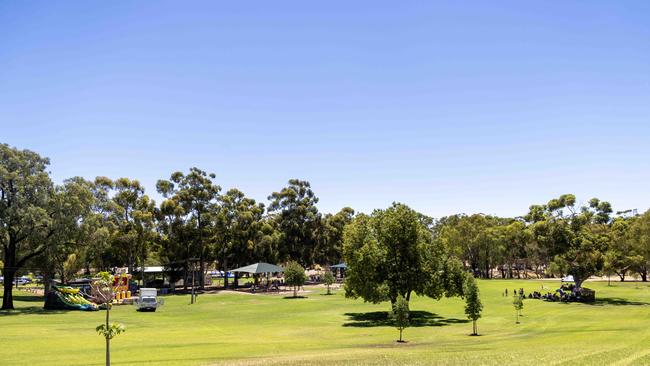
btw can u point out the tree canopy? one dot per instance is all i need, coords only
(392, 253)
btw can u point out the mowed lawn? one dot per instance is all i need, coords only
(241, 329)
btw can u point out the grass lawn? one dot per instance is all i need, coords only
(241, 329)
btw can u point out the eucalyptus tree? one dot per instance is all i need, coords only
(476, 239)
(576, 237)
(241, 233)
(26, 223)
(621, 256)
(638, 236)
(132, 215)
(329, 248)
(196, 194)
(391, 253)
(71, 213)
(173, 241)
(298, 220)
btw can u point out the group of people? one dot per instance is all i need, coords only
(522, 293)
(566, 293)
(515, 292)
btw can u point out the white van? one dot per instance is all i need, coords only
(148, 300)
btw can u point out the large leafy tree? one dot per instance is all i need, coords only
(621, 256)
(297, 220)
(576, 237)
(195, 194)
(392, 253)
(477, 239)
(73, 229)
(638, 237)
(26, 221)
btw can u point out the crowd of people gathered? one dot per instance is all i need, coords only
(566, 293)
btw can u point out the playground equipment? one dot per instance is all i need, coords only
(122, 293)
(67, 298)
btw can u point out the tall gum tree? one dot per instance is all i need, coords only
(297, 219)
(241, 234)
(196, 194)
(576, 237)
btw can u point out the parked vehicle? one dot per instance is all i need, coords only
(148, 300)
(22, 281)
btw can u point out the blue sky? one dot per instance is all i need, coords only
(448, 106)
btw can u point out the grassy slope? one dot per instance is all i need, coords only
(235, 329)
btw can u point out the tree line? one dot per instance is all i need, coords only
(556, 238)
(59, 230)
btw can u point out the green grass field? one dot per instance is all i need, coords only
(240, 329)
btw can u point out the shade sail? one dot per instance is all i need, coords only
(259, 268)
(340, 265)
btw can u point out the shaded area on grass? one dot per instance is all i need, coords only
(616, 301)
(383, 319)
(27, 310)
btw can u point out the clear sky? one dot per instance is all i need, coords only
(449, 107)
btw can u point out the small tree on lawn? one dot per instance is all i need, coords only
(473, 305)
(294, 275)
(329, 280)
(401, 315)
(518, 303)
(108, 330)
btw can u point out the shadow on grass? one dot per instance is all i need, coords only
(383, 319)
(615, 301)
(295, 297)
(32, 309)
(28, 298)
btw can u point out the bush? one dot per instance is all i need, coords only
(294, 275)
(401, 315)
(329, 280)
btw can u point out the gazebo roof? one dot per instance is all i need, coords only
(259, 268)
(568, 278)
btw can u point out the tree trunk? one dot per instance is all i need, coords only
(400, 334)
(108, 352)
(578, 282)
(202, 270)
(185, 272)
(47, 282)
(8, 296)
(142, 263)
(474, 327)
(108, 340)
(225, 273)
(644, 276)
